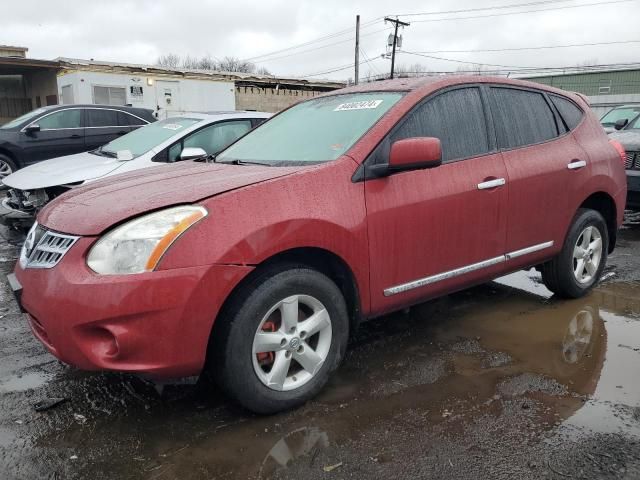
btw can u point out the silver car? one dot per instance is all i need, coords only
(174, 139)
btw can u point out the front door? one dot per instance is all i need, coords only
(61, 133)
(437, 229)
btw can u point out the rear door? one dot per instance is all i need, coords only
(102, 126)
(61, 133)
(431, 231)
(543, 162)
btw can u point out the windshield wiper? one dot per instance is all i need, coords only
(103, 153)
(246, 162)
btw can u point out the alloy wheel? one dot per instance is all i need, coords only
(5, 169)
(587, 254)
(292, 342)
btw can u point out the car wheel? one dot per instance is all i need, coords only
(7, 167)
(279, 339)
(583, 257)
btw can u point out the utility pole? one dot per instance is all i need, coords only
(395, 39)
(357, 64)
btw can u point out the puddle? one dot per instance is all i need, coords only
(504, 362)
(21, 383)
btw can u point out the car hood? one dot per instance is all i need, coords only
(92, 209)
(62, 171)
(630, 140)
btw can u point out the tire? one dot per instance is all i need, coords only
(245, 368)
(7, 167)
(562, 274)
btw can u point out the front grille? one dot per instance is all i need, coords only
(632, 161)
(45, 248)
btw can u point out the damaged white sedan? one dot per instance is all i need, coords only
(186, 137)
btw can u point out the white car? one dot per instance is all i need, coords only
(186, 137)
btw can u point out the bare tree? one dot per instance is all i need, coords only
(170, 60)
(228, 64)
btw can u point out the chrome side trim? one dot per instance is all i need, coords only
(498, 182)
(421, 282)
(577, 164)
(528, 250)
(443, 276)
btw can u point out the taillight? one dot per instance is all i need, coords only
(620, 150)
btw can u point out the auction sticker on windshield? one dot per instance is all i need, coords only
(364, 104)
(172, 126)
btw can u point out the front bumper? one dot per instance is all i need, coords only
(633, 188)
(15, 219)
(155, 323)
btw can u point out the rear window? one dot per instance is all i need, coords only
(521, 117)
(569, 112)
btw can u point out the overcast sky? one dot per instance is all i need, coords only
(138, 31)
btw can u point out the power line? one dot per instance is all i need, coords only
(532, 48)
(321, 46)
(315, 40)
(480, 9)
(458, 61)
(522, 12)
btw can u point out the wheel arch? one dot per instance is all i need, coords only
(604, 203)
(12, 156)
(320, 259)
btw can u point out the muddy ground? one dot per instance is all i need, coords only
(501, 381)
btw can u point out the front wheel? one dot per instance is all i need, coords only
(279, 339)
(579, 265)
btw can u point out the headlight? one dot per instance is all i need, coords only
(138, 245)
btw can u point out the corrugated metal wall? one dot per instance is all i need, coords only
(596, 83)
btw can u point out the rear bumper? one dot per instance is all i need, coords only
(155, 323)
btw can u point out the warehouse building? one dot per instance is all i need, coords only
(26, 84)
(605, 88)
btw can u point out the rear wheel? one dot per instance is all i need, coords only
(579, 265)
(279, 339)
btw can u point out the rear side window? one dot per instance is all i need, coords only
(455, 117)
(127, 119)
(102, 118)
(569, 112)
(521, 117)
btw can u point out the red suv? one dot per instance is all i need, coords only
(254, 267)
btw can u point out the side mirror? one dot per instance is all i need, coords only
(34, 127)
(621, 123)
(191, 153)
(415, 153)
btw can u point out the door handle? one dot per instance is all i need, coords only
(75, 135)
(497, 182)
(576, 164)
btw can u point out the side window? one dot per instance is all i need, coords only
(101, 118)
(214, 138)
(521, 117)
(61, 119)
(569, 112)
(455, 117)
(127, 119)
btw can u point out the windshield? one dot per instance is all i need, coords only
(616, 114)
(23, 118)
(317, 130)
(145, 138)
(634, 125)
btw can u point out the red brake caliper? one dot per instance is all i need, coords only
(267, 358)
